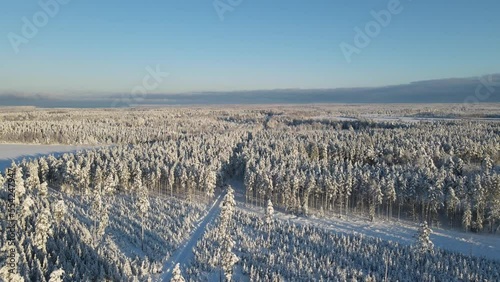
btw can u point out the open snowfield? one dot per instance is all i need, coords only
(17, 152)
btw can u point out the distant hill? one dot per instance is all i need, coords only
(485, 89)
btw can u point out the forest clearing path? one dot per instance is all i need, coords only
(184, 254)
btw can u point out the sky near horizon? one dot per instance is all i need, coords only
(106, 46)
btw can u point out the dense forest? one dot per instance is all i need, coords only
(115, 211)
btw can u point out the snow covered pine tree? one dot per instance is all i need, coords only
(424, 244)
(176, 274)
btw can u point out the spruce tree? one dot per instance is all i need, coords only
(424, 244)
(176, 274)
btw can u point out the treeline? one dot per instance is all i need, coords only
(131, 126)
(427, 171)
(187, 166)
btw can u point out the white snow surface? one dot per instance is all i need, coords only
(17, 152)
(184, 254)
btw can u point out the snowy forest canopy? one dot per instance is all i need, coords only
(408, 162)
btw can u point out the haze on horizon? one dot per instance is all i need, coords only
(73, 49)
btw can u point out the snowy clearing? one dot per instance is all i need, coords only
(17, 152)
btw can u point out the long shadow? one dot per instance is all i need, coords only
(81, 260)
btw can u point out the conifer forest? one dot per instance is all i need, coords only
(403, 192)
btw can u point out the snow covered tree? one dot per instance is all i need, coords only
(494, 202)
(7, 275)
(269, 213)
(109, 184)
(452, 202)
(176, 274)
(33, 180)
(26, 209)
(43, 190)
(99, 212)
(2, 180)
(479, 202)
(171, 179)
(103, 222)
(19, 182)
(249, 181)
(228, 206)
(137, 178)
(424, 244)
(42, 230)
(229, 259)
(308, 187)
(390, 196)
(269, 218)
(96, 206)
(142, 208)
(210, 182)
(43, 170)
(487, 164)
(467, 218)
(56, 275)
(59, 209)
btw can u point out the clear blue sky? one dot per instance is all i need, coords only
(93, 46)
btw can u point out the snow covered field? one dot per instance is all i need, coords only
(17, 152)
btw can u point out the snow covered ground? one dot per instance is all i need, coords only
(481, 245)
(17, 152)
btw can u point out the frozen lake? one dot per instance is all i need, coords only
(10, 152)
